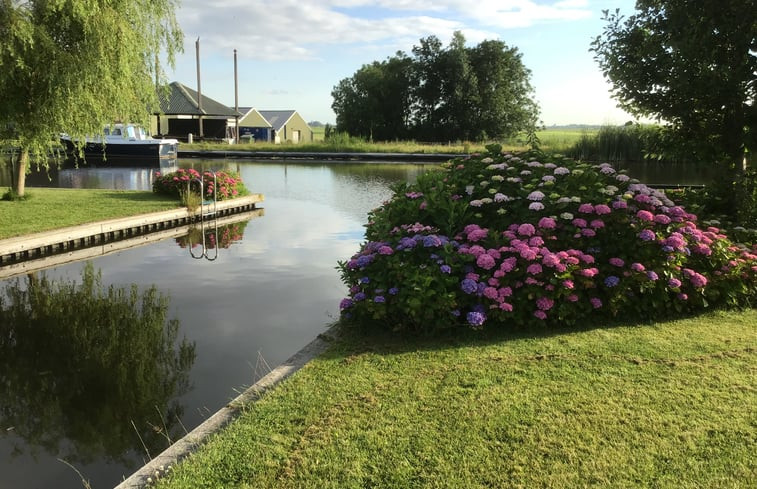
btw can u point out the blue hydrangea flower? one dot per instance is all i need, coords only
(476, 318)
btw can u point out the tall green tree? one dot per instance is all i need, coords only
(504, 91)
(691, 65)
(439, 94)
(375, 102)
(427, 88)
(75, 65)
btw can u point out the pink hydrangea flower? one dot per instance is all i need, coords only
(547, 223)
(637, 267)
(485, 261)
(526, 229)
(601, 209)
(645, 215)
(491, 293)
(616, 262)
(534, 269)
(544, 303)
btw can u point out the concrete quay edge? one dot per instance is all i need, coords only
(21, 244)
(161, 464)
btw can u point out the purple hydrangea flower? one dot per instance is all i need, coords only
(469, 286)
(445, 269)
(393, 291)
(476, 318)
(612, 281)
(647, 235)
(346, 303)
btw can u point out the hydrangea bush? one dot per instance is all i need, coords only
(532, 239)
(225, 185)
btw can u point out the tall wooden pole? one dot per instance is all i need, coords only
(236, 97)
(199, 90)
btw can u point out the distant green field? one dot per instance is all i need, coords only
(318, 132)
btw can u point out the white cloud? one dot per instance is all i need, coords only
(296, 30)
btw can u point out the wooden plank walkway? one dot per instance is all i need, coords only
(40, 245)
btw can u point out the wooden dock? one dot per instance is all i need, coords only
(32, 252)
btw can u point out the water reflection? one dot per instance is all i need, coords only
(89, 372)
(65, 174)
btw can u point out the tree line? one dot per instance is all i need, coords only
(439, 94)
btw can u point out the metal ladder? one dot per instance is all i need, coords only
(206, 213)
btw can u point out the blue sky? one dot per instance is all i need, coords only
(291, 53)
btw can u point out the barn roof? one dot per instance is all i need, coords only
(182, 100)
(277, 118)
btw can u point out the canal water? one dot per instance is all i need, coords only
(99, 405)
(84, 396)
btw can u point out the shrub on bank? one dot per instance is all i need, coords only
(532, 239)
(225, 185)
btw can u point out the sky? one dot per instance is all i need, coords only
(291, 53)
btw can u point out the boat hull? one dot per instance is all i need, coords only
(126, 153)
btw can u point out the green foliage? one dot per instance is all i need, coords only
(184, 183)
(531, 239)
(88, 361)
(455, 94)
(691, 64)
(74, 66)
(709, 204)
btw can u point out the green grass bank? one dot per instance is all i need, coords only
(45, 209)
(558, 140)
(666, 405)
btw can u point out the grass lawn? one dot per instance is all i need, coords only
(666, 405)
(47, 208)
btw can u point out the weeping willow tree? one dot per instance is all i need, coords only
(74, 65)
(89, 371)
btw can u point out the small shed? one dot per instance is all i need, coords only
(287, 126)
(182, 114)
(253, 126)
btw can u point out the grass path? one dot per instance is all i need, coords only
(668, 405)
(49, 208)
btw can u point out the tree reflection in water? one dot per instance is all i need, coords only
(90, 372)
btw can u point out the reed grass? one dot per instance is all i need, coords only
(616, 144)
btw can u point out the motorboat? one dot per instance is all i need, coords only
(123, 143)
